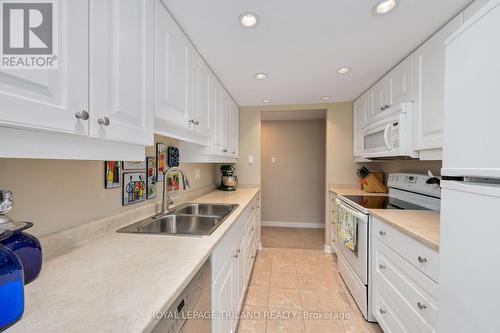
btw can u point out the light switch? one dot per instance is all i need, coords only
(197, 173)
(251, 159)
(273, 160)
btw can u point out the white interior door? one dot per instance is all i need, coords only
(49, 98)
(122, 44)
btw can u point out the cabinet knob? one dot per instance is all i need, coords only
(422, 260)
(82, 115)
(382, 233)
(421, 306)
(235, 255)
(382, 311)
(196, 122)
(381, 266)
(253, 257)
(104, 121)
(238, 251)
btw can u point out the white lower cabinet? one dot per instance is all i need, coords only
(404, 294)
(232, 263)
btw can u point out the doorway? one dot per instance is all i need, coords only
(293, 149)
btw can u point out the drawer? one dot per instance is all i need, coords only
(413, 291)
(388, 315)
(419, 255)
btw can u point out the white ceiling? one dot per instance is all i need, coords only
(293, 115)
(301, 44)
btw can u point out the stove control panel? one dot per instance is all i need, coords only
(414, 183)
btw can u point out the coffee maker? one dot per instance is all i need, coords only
(229, 180)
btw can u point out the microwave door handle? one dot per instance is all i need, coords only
(389, 146)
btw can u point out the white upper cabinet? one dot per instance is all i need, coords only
(401, 89)
(358, 120)
(198, 108)
(121, 77)
(190, 103)
(48, 99)
(429, 90)
(171, 70)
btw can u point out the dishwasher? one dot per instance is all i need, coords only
(192, 310)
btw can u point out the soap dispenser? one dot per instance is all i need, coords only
(11, 285)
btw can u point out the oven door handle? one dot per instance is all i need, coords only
(361, 216)
(386, 141)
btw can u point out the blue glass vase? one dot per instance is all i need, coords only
(26, 247)
(11, 286)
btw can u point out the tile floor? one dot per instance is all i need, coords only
(296, 238)
(289, 287)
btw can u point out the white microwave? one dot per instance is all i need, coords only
(390, 134)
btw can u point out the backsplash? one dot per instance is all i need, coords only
(60, 194)
(409, 166)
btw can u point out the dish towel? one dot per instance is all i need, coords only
(347, 228)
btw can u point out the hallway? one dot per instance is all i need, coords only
(293, 238)
(290, 288)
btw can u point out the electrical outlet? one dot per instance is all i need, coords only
(273, 160)
(251, 159)
(197, 173)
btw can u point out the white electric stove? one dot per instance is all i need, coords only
(406, 192)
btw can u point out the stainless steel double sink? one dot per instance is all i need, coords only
(192, 219)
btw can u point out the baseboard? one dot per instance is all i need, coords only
(327, 249)
(293, 224)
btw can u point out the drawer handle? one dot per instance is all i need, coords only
(381, 266)
(422, 260)
(421, 306)
(382, 233)
(382, 311)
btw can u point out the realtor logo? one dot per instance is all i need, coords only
(28, 35)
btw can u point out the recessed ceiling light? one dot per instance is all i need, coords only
(249, 20)
(325, 98)
(344, 70)
(267, 100)
(384, 7)
(260, 76)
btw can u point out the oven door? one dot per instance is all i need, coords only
(357, 260)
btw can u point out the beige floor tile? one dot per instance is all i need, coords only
(263, 263)
(317, 301)
(323, 326)
(283, 263)
(285, 299)
(284, 280)
(315, 282)
(285, 326)
(257, 296)
(252, 326)
(260, 279)
(308, 266)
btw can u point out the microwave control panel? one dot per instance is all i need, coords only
(395, 135)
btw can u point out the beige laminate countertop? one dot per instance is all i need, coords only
(350, 189)
(116, 282)
(420, 225)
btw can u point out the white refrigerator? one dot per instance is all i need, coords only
(469, 277)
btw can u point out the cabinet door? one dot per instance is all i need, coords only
(358, 119)
(382, 96)
(225, 122)
(223, 298)
(48, 99)
(401, 83)
(239, 274)
(171, 69)
(200, 96)
(121, 80)
(429, 89)
(215, 116)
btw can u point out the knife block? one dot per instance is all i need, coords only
(373, 184)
